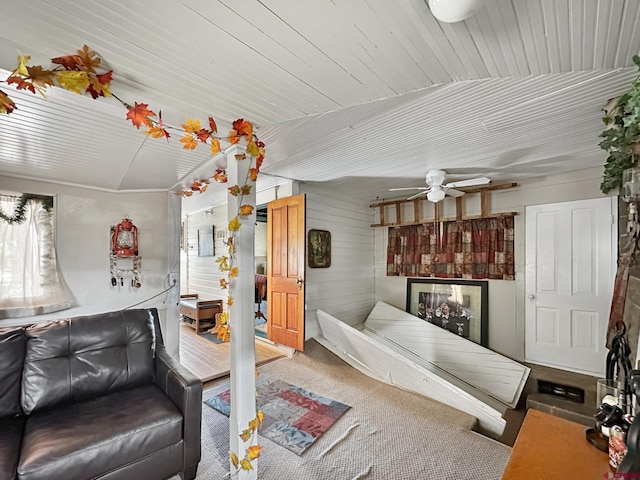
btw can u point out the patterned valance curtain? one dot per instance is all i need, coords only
(478, 248)
(30, 283)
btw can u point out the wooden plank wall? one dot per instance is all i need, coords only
(346, 289)
(203, 276)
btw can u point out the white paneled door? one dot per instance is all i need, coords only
(570, 267)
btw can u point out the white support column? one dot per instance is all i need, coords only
(171, 329)
(241, 314)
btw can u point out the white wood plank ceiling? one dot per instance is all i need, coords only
(337, 89)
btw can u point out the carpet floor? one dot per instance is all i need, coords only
(388, 433)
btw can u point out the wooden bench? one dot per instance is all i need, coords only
(200, 314)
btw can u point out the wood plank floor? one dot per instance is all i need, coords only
(208, 360)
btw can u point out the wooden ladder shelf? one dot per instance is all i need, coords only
(437, 216)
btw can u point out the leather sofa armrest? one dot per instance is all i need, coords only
(185, 391)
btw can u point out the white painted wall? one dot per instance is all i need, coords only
(506, 298)
(346, 289)
(201, 274)
(83, 220)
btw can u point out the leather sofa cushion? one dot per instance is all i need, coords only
(12, 346)
(10, 440)
(94, 437)
(84, 357)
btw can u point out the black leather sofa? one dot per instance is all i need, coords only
(96, 397)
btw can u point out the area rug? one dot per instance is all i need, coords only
(294, 418)
(212, 337)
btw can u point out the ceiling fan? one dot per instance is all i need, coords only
(436, 189)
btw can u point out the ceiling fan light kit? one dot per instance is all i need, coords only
(436, 196)
(436, 189)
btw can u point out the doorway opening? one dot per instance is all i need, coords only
(260, 304)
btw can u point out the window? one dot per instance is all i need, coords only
(30, 283)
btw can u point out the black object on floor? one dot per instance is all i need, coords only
(574, 394)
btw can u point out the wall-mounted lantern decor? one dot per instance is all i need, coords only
(125, 239)
(124, 259)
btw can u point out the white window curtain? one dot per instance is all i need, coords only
(30, 283)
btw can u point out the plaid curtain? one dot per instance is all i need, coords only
(479, 248)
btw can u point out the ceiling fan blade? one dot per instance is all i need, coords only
(453, 192)
(413, 197)
(469, 183)
(407, 188)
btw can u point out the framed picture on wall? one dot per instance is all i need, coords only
(205, 242)
(459, 306)
(319, 248)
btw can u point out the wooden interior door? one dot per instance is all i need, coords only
(286, 271)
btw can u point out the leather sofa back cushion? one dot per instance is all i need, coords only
(12, 345)
(84, 357)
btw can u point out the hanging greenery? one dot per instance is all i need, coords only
(20, 211)
(622, 134)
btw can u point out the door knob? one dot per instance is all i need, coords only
(299, 282)
(531, 297)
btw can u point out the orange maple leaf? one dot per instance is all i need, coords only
(223, 333)
(191, 126)
(88, 59)
(6, 104)
(254, 424)
(260, 415)
(245, 189)
(212, 125)
(223, 283)
(235, 190)
(234, 459)
(220, 176)
(246, 464)
(215, 146)
(246, 210)
(139, 115)
(253, 452)
(154, 132)
(189, 142)
(233, 137)
(229, 300)
(234, 272)
(243, 127)
(187, 193)
(253, 174)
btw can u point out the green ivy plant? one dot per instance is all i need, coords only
(622, 134)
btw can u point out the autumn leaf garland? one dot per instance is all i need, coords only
(81, 73)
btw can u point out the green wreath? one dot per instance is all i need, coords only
(19, 213)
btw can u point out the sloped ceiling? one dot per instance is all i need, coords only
(339, 90)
